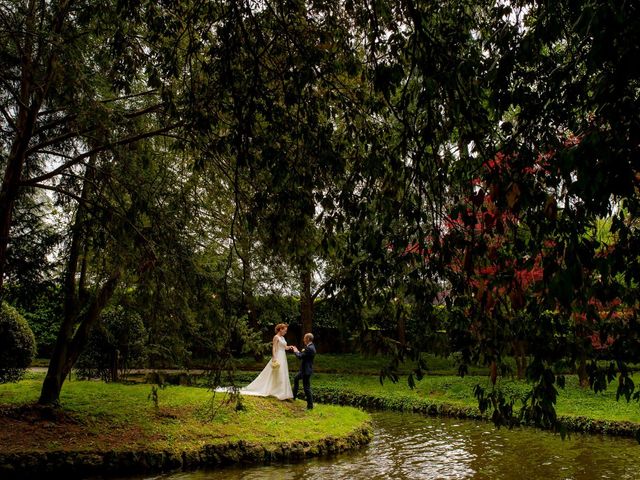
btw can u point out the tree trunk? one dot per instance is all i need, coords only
(31, 98)
(115, 366)
(397, 309)
(25, 122)
(7, 201)
(69, 346)
(519, 353)
(306, 302)
(493, 372)
(251, 310)
(402, 330)
(11, 183)
(583, 376)
(56, 373)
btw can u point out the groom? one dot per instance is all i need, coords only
(306, 369)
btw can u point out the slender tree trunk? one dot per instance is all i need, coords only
(11, 182)
(8, 196)
(115, 365)
(25, 122)
(78, 310)
(402, 330)
(69, 345)
(32, 96)
(519, 353)
(306, 301)
(493, 372)
(397, 308)
(56, 373)
(251, 309)
(583, 376)
(58, 370)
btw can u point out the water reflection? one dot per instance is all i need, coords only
(409, 446)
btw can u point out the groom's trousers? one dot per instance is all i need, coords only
(306, 385)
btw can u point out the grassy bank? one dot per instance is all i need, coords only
(579, 409)
(99, 416)
(349, 378)
(453, 390)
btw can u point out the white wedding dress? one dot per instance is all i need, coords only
(272, 382)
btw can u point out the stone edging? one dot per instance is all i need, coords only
(572, 424)
(82, 464)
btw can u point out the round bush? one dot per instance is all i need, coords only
(17, 344)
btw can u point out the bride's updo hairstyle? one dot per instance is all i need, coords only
(280, 326)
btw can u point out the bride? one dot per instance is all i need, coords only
(274, 381)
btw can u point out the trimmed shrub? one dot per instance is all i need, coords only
(17, 344)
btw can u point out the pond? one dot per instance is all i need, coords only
(409, 446)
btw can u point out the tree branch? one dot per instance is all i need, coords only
(79, 158)
(58, 139)
(57, 154)
(8, 118)
(128, 97)
(54, 123)
(57, 190)
(144, 111)
(320, 289)
(71, 134)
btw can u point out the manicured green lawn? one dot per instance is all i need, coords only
(99, 416)
(359, 374)
(357, 364)
(453, 390)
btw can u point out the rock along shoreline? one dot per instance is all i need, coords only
(61, 464)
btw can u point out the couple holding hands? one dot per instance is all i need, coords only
(273, 381)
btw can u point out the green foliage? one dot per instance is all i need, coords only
(30, 283)
(42, 308)
(363, 364)
(17, 344)
(30, 256)
(274, 309)
(115, 345)
(519, 103)
(218, 146)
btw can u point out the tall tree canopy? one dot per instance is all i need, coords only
(480, 154)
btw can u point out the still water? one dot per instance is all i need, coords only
(410, 446)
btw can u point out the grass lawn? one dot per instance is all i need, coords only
(98, 416)
(453, 390)
(358, 374)
(357, 364)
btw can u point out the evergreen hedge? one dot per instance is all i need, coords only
(17, 344)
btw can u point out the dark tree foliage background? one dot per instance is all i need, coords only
(455, 176)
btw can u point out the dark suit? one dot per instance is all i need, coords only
(306, 370)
